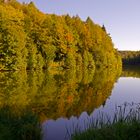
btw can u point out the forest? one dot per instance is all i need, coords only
(33, 40)
(130, 57)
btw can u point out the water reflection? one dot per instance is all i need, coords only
(56, 95)
(131, 71)
(125, 90)
(92, 95)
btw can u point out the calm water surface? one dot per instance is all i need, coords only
(63, 100)
(126, 89)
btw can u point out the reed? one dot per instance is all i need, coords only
(124, 124)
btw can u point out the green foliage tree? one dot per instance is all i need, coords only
(12, 39)
(30, 39)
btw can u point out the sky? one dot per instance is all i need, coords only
(120, 17)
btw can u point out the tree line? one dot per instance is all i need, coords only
(31, 40)
(130, 57)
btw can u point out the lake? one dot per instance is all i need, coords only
(62, 100)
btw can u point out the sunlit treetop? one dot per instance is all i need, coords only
(30, 40)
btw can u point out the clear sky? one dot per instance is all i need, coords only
(120, 17)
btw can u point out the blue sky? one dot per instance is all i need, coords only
(121, 17)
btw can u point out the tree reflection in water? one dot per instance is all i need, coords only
(51, 95)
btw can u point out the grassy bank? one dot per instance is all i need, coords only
(19, 126)
(123, 125)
